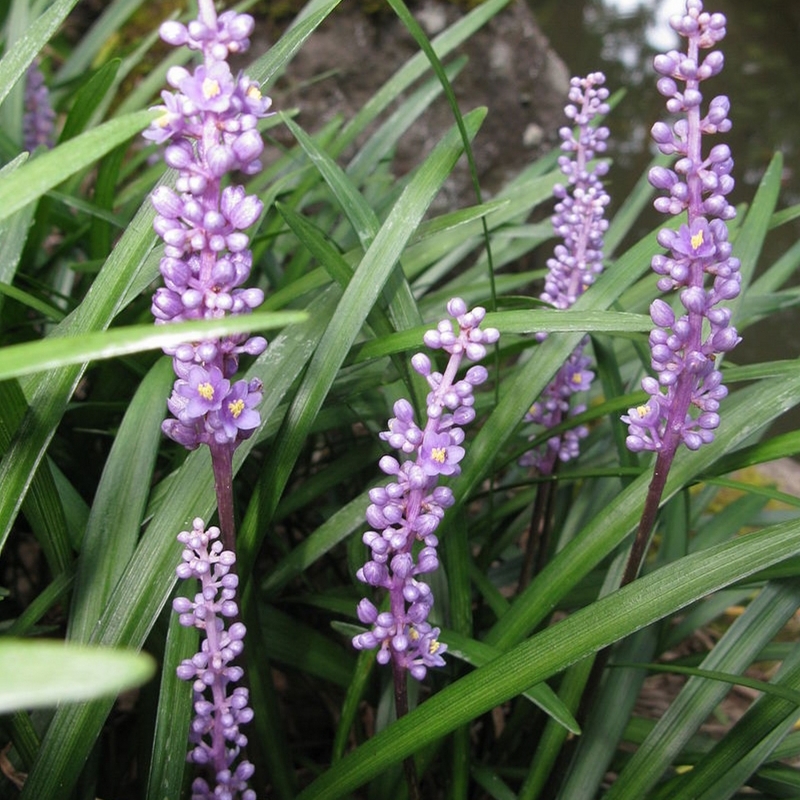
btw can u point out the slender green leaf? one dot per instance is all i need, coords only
(357, 300)
(120, 500)
(639, 604)
(740, 645)
(105, 28)
(18, 58)
(87, 100)
(24, 359)
(49, 169)
(39, 673)
(168, 758)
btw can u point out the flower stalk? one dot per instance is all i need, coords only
(685, 350)
(209, 126)
(407, 511)
(579, 221)
(215, 730)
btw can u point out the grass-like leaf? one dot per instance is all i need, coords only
(40, 673)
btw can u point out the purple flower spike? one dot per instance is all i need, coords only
(215, 735)
(579, 217)
(209, 123)
(38, 121)
(684, 350)
(579, 220)
(409, 509)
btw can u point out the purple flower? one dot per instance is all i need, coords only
(203, 391)
(684, 350)
(236, 416)
(210, 123)
(219, 711)
(408, 510)
(438, 456)
(580, 222)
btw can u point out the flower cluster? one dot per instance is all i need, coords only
(215, 730)
(685, 348)
(579, 220)
(38, 121)
(210, 123)
(408, 510)
(579, 217)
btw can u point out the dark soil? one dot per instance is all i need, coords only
(511, 69)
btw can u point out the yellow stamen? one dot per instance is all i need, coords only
(697, 240)
(254, 93)
(211, 88)
(206, 391)
(576, 377)
(643, 411)
(236, 407)
(438, 454)
(412, 634)
(163, 120)
(433, 646)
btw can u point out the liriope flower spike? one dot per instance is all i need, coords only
(219, 712)
(408, 510)
(209, 123)
(579, 220)
(38, 120)
(685, 347)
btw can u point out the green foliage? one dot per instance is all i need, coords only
(356, 266)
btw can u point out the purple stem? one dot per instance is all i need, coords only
(222, 464)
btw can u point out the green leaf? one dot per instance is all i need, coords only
(106, 28)
(24, 359)
(170, 739)
(269, 67)
(19, 57)
(47, 170)
(88, 98)
(40, 673)
(357, 301)
(739, 646)
(42, 504)
(638, 604)
(14, 230)
(776, 690)
(120, 500)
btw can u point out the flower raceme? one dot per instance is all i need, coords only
(406, 512)
(209, 126)
(580, 222)
(214, 732)
(38, 119)
(579, 217)
(684, 349)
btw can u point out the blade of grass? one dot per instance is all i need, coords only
(170, 737)
(18, 58)
(25, 359)
(639, 604)
(119, 502)
(359, 297)
(738, 647)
